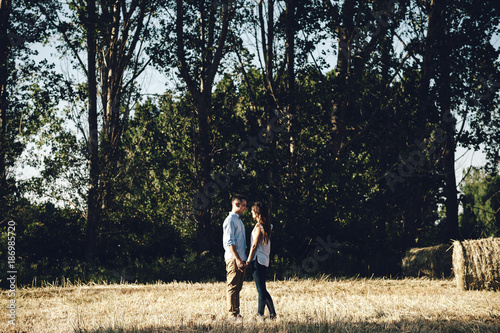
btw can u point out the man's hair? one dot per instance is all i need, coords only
(238, 197)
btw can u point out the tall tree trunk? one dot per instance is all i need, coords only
(340, 104)
(412, 218)
(450, 189)
(436, 66)
(93, 144)
(270, 106)
(111, 142)
(205, 158)
(200, 87)
(428, 68)
(448, 122)
(5, 9)
(119, 39)
(290, 59)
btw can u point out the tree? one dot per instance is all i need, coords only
(93, 144)
(116, 33)
(436, 66)
(269, 27)
(284, 36)
(195, 43)
(481, 204)
(360, 30)
(456, 40)
(121, 40)
(476, 76)
(447, 76)
(23, 81)
(5, 8)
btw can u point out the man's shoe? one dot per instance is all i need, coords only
(235, 316)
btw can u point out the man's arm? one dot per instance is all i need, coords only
(239, 262)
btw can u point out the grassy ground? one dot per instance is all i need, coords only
(352, 305)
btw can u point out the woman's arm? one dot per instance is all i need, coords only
(253, 248)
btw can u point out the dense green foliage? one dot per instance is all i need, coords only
(344, 124)
(481, 204)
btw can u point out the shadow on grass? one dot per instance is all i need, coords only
(411, 325)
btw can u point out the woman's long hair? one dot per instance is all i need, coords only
(260, 210)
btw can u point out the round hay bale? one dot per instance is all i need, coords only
(431, 261)
(476, 264)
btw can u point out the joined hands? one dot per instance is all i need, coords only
(242, 265)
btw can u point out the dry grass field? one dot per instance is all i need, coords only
(343, 305)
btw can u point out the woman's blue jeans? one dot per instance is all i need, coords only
(259, 276)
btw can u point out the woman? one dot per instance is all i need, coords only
(258, 257)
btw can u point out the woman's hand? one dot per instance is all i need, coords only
(240, 264)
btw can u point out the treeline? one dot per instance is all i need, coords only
(343, 116)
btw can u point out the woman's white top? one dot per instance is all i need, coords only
(263, 250)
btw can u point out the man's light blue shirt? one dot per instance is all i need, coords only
(233, 233)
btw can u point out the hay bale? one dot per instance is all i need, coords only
(476, 264)
(431, 261)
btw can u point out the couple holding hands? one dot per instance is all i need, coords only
(236, 259)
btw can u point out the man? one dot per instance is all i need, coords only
(234, 242)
